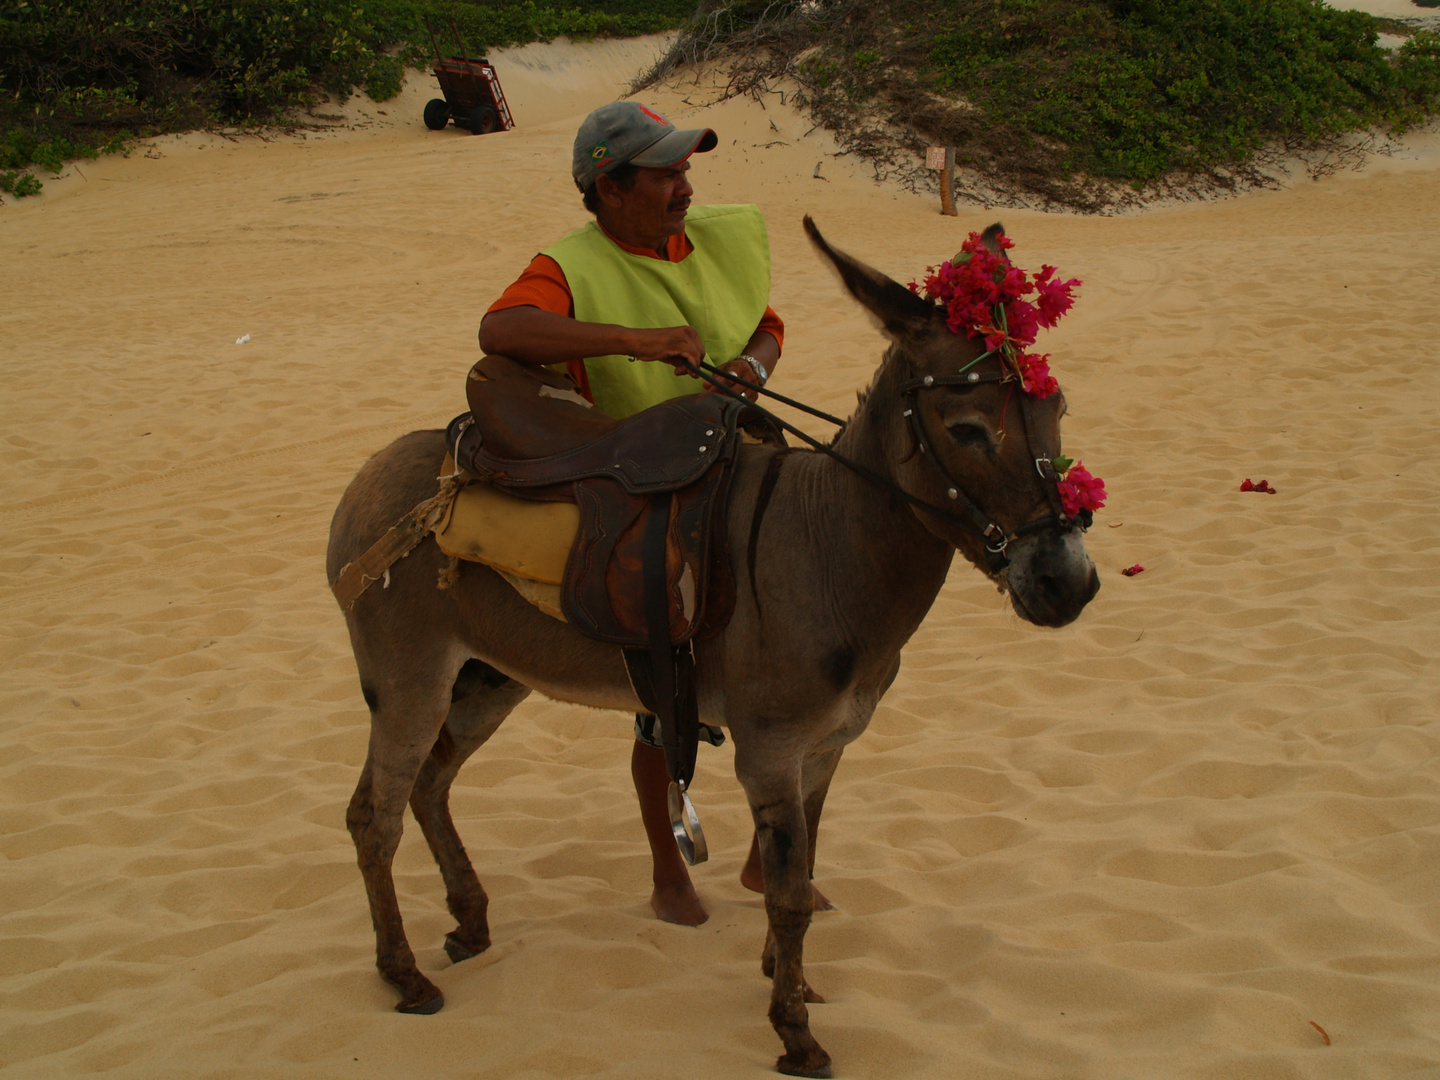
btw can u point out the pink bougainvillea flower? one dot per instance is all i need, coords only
(1013, 283)
(1131, 571)
(1081, 491)
(1056, 297)
(983, 295)
(1035, 375)
(1022, 319)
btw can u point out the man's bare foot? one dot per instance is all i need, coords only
(677, 903)
(753, 878)
(674, 898)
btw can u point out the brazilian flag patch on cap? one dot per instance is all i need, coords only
(601, 153)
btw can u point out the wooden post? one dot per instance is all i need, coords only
(942, 159)
(947, 183)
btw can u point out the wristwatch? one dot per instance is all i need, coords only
(761, 375)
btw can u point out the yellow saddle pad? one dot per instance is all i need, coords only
(527, 542)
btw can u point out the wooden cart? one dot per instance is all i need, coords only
(473, 98)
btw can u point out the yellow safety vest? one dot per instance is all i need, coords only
(721, 289)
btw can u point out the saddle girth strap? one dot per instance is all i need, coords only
(672, 668)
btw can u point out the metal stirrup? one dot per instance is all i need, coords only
(685, 823)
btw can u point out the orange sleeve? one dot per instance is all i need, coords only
(542, 285)
(772, 325)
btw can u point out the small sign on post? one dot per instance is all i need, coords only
(942, 159)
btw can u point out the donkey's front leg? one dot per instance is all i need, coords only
(779, 812)
(819, 771)
(815, 784)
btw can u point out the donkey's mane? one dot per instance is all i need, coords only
(863, 397)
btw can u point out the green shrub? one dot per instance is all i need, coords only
(19, 184)
(1135, 89)
(1419, 75)
(79, 76)
(1046, 96)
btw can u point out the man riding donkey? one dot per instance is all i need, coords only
(622, 304)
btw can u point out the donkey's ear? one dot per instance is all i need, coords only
(899, 310)
(989, 239)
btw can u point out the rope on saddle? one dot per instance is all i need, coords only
(355, 577)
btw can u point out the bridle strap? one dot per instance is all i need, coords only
(972, 520)
(1043, 463)
(996, 539)
(874, 477)
(980, 523)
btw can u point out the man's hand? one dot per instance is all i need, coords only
(533, 336)
(668, 345)
(741, 369)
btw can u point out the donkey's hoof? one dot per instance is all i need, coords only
(423, 1006)
(814, 1062)
(458, 949)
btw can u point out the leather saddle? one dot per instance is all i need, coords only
(650, 568)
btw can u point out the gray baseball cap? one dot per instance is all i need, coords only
(626, 132)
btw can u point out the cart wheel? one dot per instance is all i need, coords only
(437, 114)
(483, 120)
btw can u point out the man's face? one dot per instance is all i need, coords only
(656, 205)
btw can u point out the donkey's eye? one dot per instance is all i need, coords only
(969, 433)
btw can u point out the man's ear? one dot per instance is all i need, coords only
(899, 310)
(608, 191)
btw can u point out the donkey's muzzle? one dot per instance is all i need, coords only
(1051, 578)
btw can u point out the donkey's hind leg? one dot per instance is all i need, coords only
(405, 719)
(481, 698)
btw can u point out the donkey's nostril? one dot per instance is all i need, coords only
(1052, 589)
(1065, 594)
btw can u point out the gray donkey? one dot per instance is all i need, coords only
(835, 570)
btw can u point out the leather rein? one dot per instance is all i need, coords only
(970, 518)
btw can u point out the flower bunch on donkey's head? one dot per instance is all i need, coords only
(985, 295)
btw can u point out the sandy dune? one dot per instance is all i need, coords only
(1158, 843)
